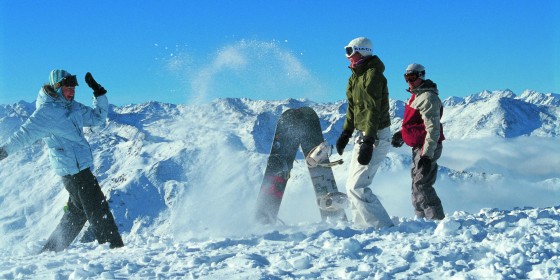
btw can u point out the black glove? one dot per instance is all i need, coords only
(342, 141)
(425, 165)
(366, 150)
(397, 140)
(3, 153)
(98, 90)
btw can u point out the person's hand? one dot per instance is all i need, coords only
(397, 140)
(98, 90)
(3, 153)
(366, 150)
(342, 141)
(425, 165)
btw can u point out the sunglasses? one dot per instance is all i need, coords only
(69, 81)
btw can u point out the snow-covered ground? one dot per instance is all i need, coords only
(491, 244)
(183, 181)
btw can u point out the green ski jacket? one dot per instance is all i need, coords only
(368, 98)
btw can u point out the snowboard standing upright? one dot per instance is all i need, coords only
(295, 128)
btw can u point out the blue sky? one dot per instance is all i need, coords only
(197, 51)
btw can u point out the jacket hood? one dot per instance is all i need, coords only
(48, 95)
(427, 85)
(375, 62)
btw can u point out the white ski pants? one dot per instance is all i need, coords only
(366, 208)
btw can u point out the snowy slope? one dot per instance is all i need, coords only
(182, 182)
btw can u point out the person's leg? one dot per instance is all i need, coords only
(96, 209)
(366, 208)
(71, 223)
(425, 200)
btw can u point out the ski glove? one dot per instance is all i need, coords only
(366, 150)
(3, 153)
(425, 165)
(98, 90)
(397, 140)
(342, 141)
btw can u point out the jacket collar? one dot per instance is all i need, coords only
(427, 85)
(367, 63)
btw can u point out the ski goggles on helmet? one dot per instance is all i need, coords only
(349, 51)
(412, 76)
(352, 50)
(69, 81)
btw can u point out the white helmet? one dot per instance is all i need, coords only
(416, 68)
(360, 45)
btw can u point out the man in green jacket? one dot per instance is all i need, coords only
(368, 114)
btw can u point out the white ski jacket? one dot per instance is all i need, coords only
(60, 124)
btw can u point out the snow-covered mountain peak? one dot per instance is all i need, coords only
(146, 108)
(537, 98)
(482, 96)
(250, 106)
(501, 113)
(488, 113)
(19, 109)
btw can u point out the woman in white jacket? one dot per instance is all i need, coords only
(59, 120)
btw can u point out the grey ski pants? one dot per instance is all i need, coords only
(425, 200)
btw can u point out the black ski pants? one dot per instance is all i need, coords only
(86, 203)
(424, 197)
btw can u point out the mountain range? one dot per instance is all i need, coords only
(155, 156)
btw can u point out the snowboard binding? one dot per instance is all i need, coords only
(319, 156)
(332, 202)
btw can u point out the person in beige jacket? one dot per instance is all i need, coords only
(422, 130)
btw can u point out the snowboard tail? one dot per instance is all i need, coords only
(296, 128)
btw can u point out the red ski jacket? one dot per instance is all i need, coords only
(421, 126)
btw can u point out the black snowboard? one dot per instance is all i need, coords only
(295, 128)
